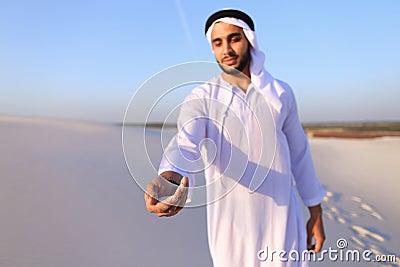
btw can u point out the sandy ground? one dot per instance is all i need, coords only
(68, 199)
(362, 182)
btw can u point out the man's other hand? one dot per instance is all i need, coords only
(315, 229)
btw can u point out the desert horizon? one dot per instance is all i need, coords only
(338, 129)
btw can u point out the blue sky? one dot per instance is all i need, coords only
(85, 59)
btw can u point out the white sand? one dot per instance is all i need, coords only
(67, 199)
(362, 203)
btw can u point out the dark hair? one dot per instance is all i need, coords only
(232, 13)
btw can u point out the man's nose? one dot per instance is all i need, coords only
(227, 48)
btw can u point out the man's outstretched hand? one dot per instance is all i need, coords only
(176, 196)
(315, 229)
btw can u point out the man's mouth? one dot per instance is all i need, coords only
(229, 61)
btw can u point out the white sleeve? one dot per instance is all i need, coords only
(302, 167)
(182, 155)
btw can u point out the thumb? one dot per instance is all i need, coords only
(318, 245)
(180, 195)
(181, 191)
(182, 188)
(185, 181)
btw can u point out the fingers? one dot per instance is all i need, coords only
(310, 246)
(171, 212)
(166, 210)
(156, 189)
(150, 197)
(315, 230)
(318, 244)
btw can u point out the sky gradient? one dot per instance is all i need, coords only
(85, 59)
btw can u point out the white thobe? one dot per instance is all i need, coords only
(250, 151)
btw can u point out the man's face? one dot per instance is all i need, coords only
(230, 47)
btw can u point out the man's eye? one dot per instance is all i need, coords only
(236, 39)
(217, 44)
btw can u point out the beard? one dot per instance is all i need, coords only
(236, 70)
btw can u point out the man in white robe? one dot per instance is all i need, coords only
(255, 157)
